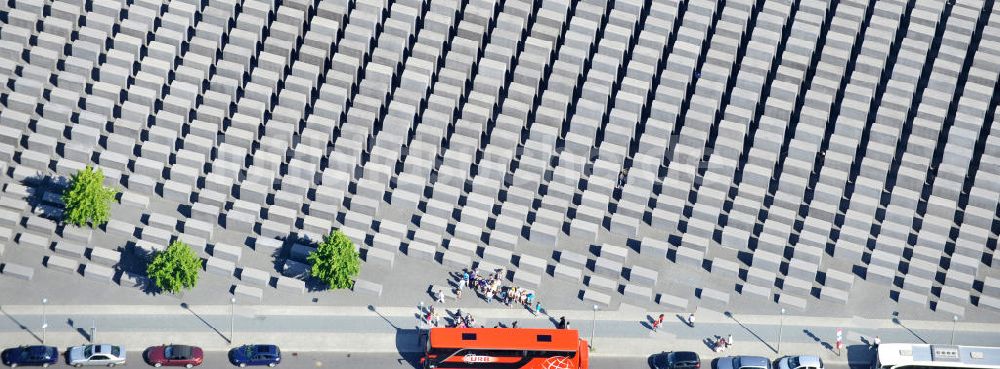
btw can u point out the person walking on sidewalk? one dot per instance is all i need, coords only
(562, 323)
(691, 320)
(439, 296)
(729, 340)
(876, 342)
(538, 307)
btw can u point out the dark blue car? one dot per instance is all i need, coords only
(245, 355)
(30, 355)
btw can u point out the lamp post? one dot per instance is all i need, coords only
(232, 320)
(954, 322)
(781, 327)
(593, 327)
(45, 321)
(93, 331)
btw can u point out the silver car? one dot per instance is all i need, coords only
(109, 355)
(800, 362)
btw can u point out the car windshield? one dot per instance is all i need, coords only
(88, 350)
(661, 361)
(793, 362)
(168, 352)
(248, 350)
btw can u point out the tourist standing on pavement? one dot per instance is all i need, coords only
(691, 320)
(729, 340)
(875, 342)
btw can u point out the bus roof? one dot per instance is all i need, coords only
(893, 354)
(505, 338)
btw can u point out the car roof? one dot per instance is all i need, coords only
(809, 360)
(685, 356)
(36, 350)
(755, 361)
(266, 349)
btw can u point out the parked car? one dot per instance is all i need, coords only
(744, 362)
(30, 355)
(677, 360)
(175, 355)
(109, 355)
(800, 362)
(245, 355)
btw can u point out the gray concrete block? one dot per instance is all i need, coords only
(99, 273)
(794, 302)
(673, 302)
(227, 252)
(608, 267)
(199, 228)
(642, 276)
(242, 292)
(18, 271)
(266, 245)
(638, 293)
(177, 191)
(293, 268)
(119, 228)
(61, 264)
(497, 255)
(572, 259)
(105, 256)
(527, 279)
(219, 266)
(532, 263)
(291, 285)
(421, 250)
(367, 287)
(715, 297)
(597, 298)
(255, 277)
(40, 225)
(596, 281)
(380, 256)
(33, 240)
(455, 260)
(70, 249)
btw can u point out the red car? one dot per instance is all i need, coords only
(175, 355)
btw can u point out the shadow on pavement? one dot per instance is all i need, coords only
(22, 326)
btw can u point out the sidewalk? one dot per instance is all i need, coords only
(622, 333)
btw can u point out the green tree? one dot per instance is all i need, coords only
(335, 261)
(175, 268)
(88, 201)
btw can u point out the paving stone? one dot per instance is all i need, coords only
(99, 273)
(244, 293)
(18, 271)
(367, 287)
(61, 264)
(255, 277)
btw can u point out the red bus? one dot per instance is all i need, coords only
(505, 348)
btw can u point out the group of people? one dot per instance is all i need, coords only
(490, 287)
(722, 344)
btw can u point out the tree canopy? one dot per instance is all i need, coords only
(87, 199)
(175, 268)
(335, 261)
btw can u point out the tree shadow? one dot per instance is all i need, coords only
(44, 195)
(19, 325)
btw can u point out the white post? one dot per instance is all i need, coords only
(232, 320)
(954, 322)
(45, 321)
(781, 327)
(593, 327)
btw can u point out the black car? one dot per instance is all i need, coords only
(677, 360)
(30, 355)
